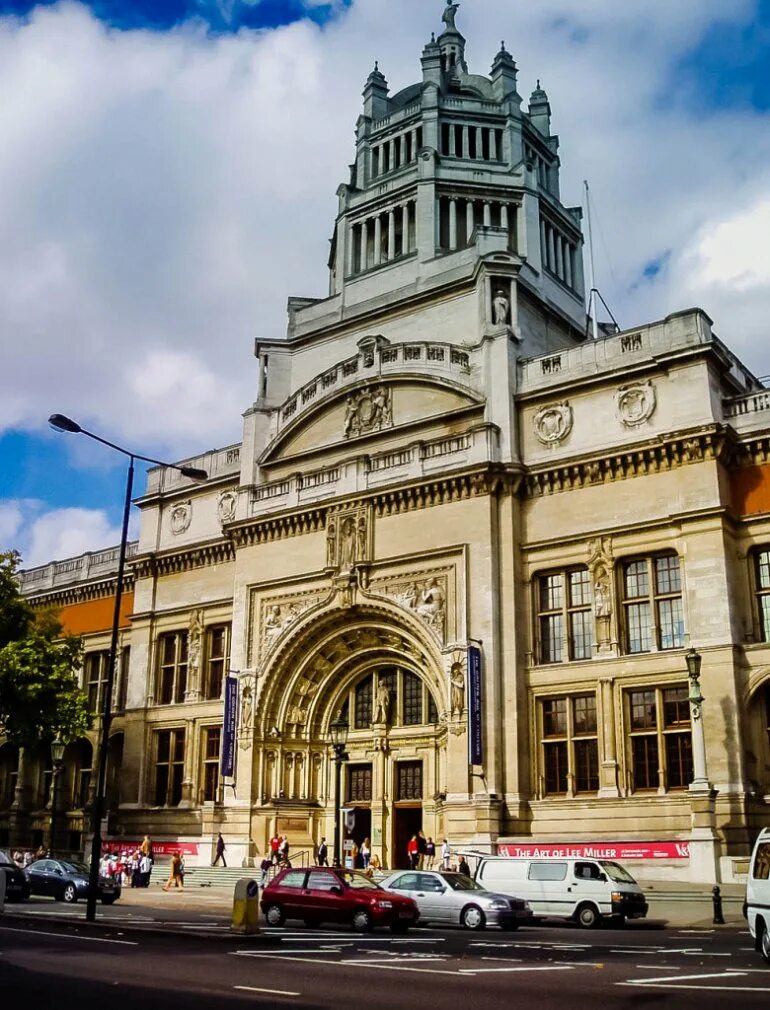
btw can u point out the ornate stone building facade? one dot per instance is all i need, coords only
(438, 458)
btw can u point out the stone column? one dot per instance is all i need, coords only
(438, 222)
(453, 223)
(405, 248)
(190, 756)
(487, 215)
(479, 143)
(567, 257)
(391, 235)
(364, 244)
(492, 145)
(466, 142)
(470, 222)
(551, 249)
(543, 244)
(559, 258)
(504, 216)
(378, 240)
(453, 141)
(404, 158)
(608, 775)
(352, 250)
(414, 145)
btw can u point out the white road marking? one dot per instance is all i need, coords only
(685, 978)
(700, 988)
(273, 992)
(484, 971)
(392, 960)
(70, 936)
(353, 964)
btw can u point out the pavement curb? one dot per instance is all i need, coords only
(263, 939)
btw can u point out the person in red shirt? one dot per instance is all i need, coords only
(275, 848)
(413, 851)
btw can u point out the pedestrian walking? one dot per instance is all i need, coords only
(446, 855)
(265, 866)
(413, 852)
(220, 851)
(422, 848)
(145, 870)
(283, 850)
(323, 853)
(176, 873)
(430, 853)
(366, 852)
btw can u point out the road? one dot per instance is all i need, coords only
(60, 964)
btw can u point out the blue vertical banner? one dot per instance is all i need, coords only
(475, 727)
(229, 727)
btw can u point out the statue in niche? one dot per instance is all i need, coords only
(602, 599)
(381, 703)
(351, 415)
(449, 15)
(431, 607)
(501, 307)
(331, 545)
(247, 710)
(362, 552)
(348, 544)
(457, 688)
(194, 640)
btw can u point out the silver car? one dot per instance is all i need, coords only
(456, 899)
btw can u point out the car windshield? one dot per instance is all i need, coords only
(459, 882)
(74, 868)
(616, 872)
(359, 882)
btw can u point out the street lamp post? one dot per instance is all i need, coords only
(57, 757)
(700, 781)
(339, 738)
(61, 423)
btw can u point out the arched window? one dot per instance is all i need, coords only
(408, 701)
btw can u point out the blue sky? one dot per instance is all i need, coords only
(169, 170)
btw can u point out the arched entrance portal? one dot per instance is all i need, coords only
(382, 671)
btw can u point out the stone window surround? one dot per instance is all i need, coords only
(654, 599)
(209, 763)
(174, 765)
(569, 740)
(659, 729)
(173, 669)
(566, 611)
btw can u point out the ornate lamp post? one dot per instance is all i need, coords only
(61, 423)
(700, 781)
(57, 757)
(339, 737)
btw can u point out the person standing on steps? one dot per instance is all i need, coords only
(430, 853)
(220, 851)
(446, 855)
(176, 873)
(323, 853)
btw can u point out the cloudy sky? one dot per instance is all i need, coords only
(168, 171)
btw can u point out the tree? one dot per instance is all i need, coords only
(40, 696)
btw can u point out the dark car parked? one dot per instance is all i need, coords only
(321, 894)
(67, 881)
(16, 884)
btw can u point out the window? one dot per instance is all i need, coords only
(762, 590)
(172, 668)
(363, 706)
(409, 780)
(121, 688)
(212, 737)
(408, 703)
(359, 783)
(652, 604)
(547, 871)
(294, 879)
(412, 700)
(96, 664)
(169, 767)
(318, 880)
(564, 616)
(761, 869)
(217, 661)
(569, 745)
(406, 882)
(660, 738)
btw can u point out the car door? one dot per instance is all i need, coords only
(40, 874)
(406, 884)
(431, 898)
(320, 899)
(589, 883)
(549, 880)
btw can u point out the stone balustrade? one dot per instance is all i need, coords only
(87, 567)
(752, 410)
(216, 463)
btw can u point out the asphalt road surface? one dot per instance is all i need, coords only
(62, 965)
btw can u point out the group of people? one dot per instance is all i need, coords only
(421, 852)
(129, 868)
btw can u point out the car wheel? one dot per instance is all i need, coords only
(362, 921)
(587, 917)
(473, 917)
(400, 927)
(70, 894)
(764, 944)
(274, 915)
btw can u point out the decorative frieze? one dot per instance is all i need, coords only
(370, 409)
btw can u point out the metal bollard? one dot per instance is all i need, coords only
(716, 897)
(246, 907)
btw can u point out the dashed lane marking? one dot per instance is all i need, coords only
(486, 971)
(70, 936)
(273, 992)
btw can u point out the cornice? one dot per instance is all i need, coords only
(201, 556)
(80, 592)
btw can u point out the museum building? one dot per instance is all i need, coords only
(441, 463)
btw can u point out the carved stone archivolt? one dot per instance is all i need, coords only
(636, 403)
(369, 409)
(601, 566)
(348, 538)
(181, 517)
(553, 424)
(226, 506)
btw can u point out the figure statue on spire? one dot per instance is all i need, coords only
(449, 15)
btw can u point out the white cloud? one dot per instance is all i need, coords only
(165, 193)
(10, 523)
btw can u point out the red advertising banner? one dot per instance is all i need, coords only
(597, 850)
(117, 845)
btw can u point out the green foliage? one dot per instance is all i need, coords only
(40, 696)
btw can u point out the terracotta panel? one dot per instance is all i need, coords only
(95, 615)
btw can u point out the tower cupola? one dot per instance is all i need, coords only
(376, 94)
(504, 73)
(540, 111)
(451, 44)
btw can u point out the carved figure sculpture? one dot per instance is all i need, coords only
(247, 710)
(602, 599)
(362, 551)
(381, 703)
(274, 621)
(431, 607)
(351, 414)
(381, 403)
(457, 689)
(449, 15)
(348, 544)
(501, 306)
(331, 545)
(194, 640)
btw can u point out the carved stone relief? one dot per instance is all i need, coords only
(348, 539)
(226, 506)
(636, 403)
(425, 596)
(194, 649)
(601, 567)
(181, 517)
(370, 409)
(553, 424)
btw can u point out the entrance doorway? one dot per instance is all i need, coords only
(408, 821)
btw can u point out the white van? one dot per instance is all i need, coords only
(586, 890)
(758, 895)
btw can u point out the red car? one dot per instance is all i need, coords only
(321, 894)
